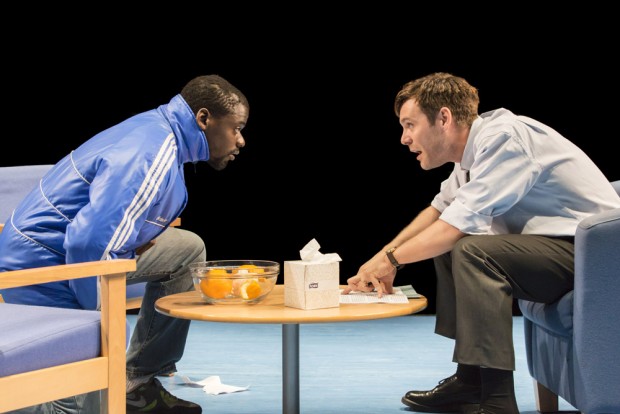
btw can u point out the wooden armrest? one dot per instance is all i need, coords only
(56, 273)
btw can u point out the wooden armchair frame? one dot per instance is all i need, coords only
(106, 372)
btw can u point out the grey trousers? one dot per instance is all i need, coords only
(477, 282)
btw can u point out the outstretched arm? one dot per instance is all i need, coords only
(424, 238)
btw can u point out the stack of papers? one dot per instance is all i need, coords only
(401, 294)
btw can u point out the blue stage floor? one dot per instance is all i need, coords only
(355, 367)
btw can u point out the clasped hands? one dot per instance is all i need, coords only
(374, 275)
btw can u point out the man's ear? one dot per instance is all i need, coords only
(202, 117)
(444, 116)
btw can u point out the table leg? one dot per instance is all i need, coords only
(290, 368)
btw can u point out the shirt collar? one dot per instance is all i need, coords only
(467, 159)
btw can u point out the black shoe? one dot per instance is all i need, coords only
(153, 398)
(450, 396)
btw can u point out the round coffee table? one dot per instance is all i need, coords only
(189, 305)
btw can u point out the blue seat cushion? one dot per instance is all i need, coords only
(35, 337)
(136, 290)
(555, 317)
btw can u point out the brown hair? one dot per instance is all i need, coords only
(434, 91)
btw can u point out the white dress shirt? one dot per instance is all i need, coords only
(524, 178)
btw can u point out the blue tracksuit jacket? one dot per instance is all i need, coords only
(111, 195)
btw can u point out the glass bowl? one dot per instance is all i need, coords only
(234, 281)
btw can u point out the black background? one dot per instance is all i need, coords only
(323, 157)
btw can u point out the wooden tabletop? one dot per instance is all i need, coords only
(189, 305)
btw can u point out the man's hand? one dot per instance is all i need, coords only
(373, 275)
(359, 284)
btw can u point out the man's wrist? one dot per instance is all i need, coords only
(390, 255)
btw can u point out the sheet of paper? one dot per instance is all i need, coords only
(373, 297)
(409, 291)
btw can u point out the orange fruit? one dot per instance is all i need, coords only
(249, 268)
(250, 289)
(214, 287)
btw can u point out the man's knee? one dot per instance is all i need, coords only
(468, 245)
(473, 251)
(192, 245)
(182, 244)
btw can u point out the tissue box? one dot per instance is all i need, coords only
(311, 285)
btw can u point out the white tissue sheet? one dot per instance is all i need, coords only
(310, 253)
(211, 385)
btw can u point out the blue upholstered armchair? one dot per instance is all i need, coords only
(48, 354)
(573, 345)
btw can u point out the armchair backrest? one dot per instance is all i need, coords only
(595, 331)
(16, 183)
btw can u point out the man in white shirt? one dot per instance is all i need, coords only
(501, 227)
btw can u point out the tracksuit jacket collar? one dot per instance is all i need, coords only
(191, 140)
